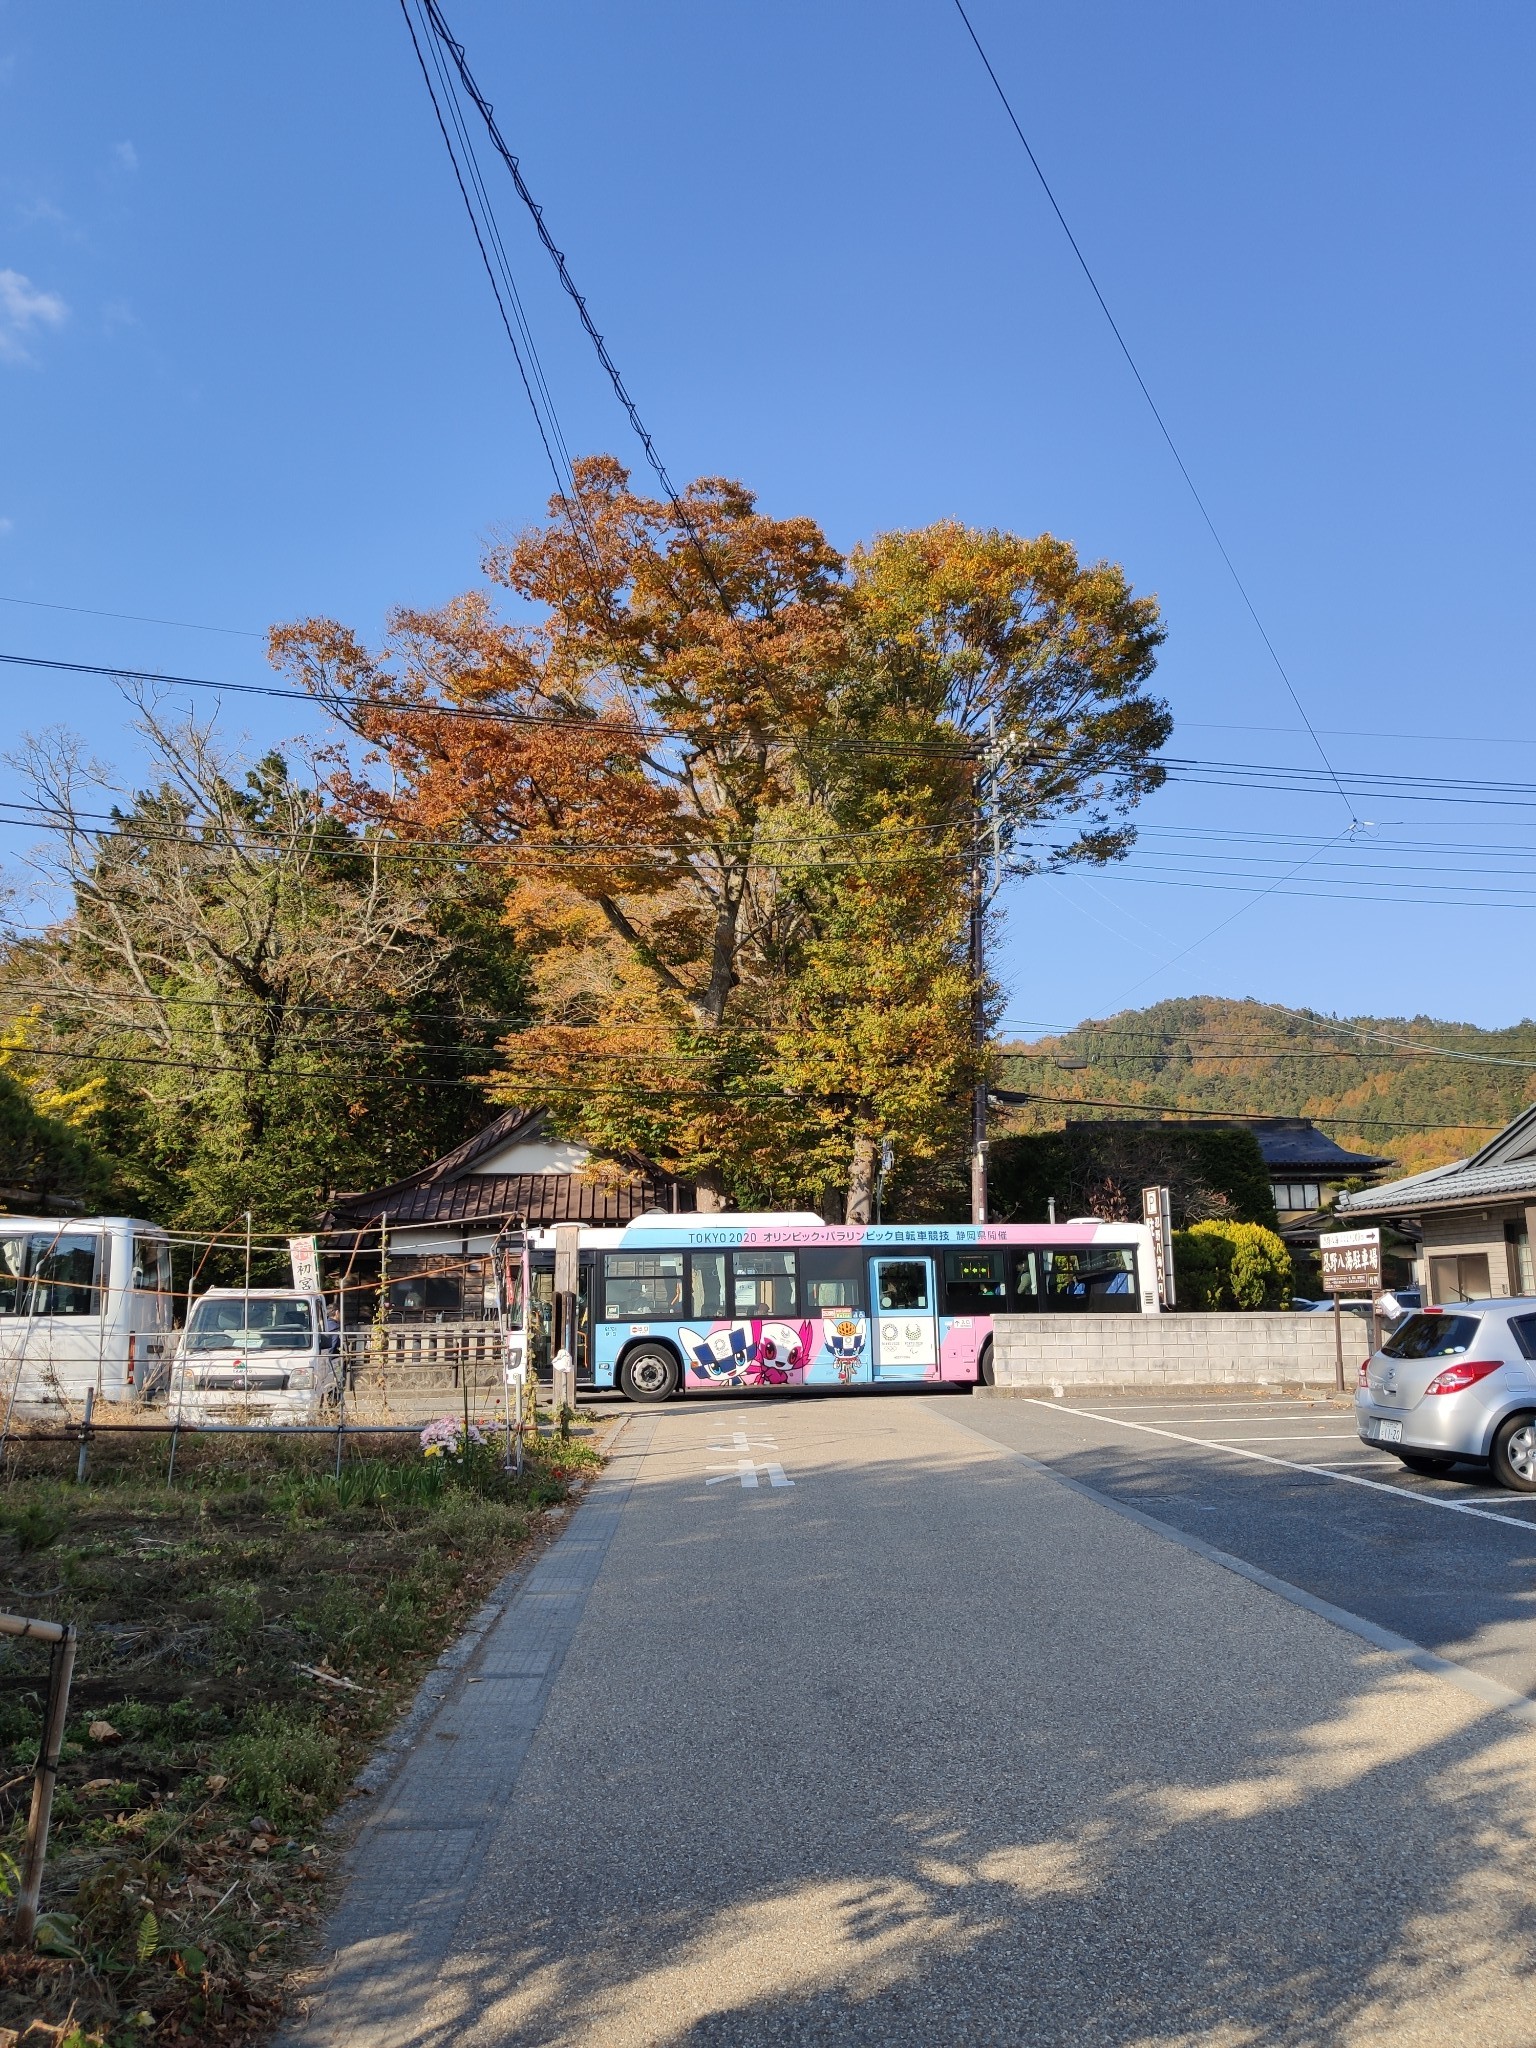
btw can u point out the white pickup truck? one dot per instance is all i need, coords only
(260, 1354)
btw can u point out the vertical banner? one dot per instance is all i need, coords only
(1158, 1217)
(304, 1258)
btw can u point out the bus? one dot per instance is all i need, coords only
(85, 1303)
(717, 1302)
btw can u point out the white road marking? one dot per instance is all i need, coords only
(740, 1441)
(1205, 1443)
(1311, 1436)
(746, 1470)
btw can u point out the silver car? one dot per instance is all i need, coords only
(1454, 1383)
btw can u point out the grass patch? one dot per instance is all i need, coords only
(186, 1861)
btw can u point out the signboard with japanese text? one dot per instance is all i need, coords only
(1351, 1261)
(1156, 1214)
(304, 1258)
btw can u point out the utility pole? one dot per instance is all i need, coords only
(979, 1029)
(979, 895)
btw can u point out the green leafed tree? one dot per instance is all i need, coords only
(255, 1002)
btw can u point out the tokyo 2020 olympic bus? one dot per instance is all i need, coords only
(706, 1303)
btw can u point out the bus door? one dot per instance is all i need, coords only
(904, 1318)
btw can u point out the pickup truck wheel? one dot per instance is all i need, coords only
(1514, 1454)
(649, 1373)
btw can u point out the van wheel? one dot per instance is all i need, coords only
(986, 1371)
(649, 1373)
(1514, 1454)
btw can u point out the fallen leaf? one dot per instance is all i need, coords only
(91, 1785)
(103, 1731)
(216, 1783)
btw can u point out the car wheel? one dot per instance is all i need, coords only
(1514, 1454)
(649, 1373)
(986, 1371)
(1427, 1462)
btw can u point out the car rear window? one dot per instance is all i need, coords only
(1432, 1337)
(1523, 1328)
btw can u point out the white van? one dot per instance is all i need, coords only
(259, 1354)
(85, 1303)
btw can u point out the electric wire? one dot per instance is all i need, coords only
(433, 14)
(1162, 424)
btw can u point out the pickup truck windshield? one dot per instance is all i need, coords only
(250, 1325)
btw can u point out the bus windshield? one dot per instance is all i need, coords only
(251, 1324)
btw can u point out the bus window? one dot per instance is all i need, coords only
(706, 1285)
(13, 1266)
(66, 1276)
(637, 1285)
(903, 1284)
(973, 1282)
(1024, 1296)
(833, 1278)
(765, 1283)
(1098, 1277)
(148, 1274)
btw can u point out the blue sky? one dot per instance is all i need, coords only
(250, 369)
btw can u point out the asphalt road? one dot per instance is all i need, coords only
(903, 1741)
(1287, 1486)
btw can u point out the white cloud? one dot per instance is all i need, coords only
(24, 306)
(125, 156)
(7, 526)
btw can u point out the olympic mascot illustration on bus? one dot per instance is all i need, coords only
(827, 1351)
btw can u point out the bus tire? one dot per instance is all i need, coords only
(649, 1373)
(986, 1375)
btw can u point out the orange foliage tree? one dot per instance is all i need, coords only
(729, 780)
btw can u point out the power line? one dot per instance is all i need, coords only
(87, 611)
(433, 15)
(595, 726)
(1159, 1110)
(1162, 424)
(561, 481)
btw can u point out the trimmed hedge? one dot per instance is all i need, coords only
(1231, 1266)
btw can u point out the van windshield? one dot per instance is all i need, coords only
(1432, 1337)
(250, 1325)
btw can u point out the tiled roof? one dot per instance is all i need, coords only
(1503, 1171)
(490, 1198)
(1293, 1144)
(1462, 1182)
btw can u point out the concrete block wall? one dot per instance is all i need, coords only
(1151, 1352)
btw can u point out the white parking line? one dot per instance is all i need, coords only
(1311, 1436)
(1204, 1443)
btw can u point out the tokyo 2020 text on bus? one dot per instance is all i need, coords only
(709, 1303)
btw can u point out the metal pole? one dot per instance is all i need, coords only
(83, 1463)
(61, 1665)
(1338, 1345)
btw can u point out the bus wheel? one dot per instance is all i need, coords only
(984, 1368)
(649, 1373)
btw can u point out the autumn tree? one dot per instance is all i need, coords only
(730, 785)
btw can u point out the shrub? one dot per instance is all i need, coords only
(1231, 1266)
(276, 1760)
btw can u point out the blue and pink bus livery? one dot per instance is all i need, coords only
(710, 1304)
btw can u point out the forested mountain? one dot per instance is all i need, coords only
(1418, 1089)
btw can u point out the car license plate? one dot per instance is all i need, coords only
(1389, 1432)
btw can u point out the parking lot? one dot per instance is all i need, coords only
(1286, 1486)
